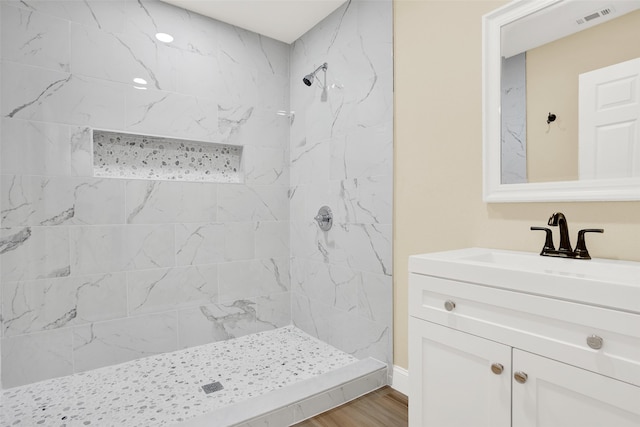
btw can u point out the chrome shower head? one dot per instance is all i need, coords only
(308, 79)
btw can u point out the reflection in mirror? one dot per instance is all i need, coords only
(576, 60)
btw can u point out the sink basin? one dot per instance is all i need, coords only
(588, 269)
(600, 282)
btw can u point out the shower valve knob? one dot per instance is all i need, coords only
(324, 218)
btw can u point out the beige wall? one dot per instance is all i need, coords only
(552, 86)
(438, 155)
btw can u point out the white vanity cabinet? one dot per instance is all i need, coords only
(482, 353)
(452, 383)
(558, 394)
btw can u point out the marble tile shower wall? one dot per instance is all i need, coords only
(513, 147)
(342, 156)
(100, 271)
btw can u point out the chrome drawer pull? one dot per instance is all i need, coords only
(449, 305)
(497, 368)
(595, 342)
(521, 377)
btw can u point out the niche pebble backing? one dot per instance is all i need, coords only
(125, 155)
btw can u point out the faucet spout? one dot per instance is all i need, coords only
(558, 219)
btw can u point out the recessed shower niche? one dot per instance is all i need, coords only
(125, 155)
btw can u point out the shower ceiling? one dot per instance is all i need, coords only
(284, 20)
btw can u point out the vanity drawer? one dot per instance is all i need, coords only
(549, 327)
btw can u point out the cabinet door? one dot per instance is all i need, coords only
(560, 395)
(452, 383)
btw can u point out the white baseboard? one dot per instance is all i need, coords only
(400, 380)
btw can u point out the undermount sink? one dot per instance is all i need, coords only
(600, 282)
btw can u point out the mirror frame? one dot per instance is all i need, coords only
(494, 191)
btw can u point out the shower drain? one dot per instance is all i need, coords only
(210, 388)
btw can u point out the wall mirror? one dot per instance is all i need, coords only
(561, 101)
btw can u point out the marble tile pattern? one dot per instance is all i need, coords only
(342, 156)
(166, 389)
(94, 270)
(125, 155)
(513, 147)
(198, 262)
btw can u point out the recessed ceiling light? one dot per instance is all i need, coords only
(140, 87)
(164, 37)
(140, 81)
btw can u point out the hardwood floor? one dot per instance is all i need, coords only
(382, 408)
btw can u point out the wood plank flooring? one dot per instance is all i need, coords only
(382, 408)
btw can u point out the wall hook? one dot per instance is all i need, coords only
(551, 118)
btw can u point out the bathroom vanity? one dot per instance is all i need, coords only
(503, 338)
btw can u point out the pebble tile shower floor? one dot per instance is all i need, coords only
(167, 389)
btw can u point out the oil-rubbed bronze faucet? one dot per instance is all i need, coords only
(564, 251)
(581, 251)
(548, 241)
(558, 219)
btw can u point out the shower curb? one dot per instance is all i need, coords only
(299, 401)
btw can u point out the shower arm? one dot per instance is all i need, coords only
(323, 67)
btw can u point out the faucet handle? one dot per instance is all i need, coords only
(581, 247)
(548, 242)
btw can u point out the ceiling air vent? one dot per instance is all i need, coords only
(595, 15)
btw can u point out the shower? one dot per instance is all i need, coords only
(199, 242)
(308, 79)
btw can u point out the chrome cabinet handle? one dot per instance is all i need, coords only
(595, 342)
(521, 377)
(497, 368)
(449, 305)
